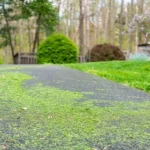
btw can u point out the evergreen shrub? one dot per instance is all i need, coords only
(57, 49)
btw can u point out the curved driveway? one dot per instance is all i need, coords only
(74, 80)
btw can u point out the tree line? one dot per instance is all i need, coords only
(19, 17)
(24, 24)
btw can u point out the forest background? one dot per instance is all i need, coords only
(24, 24)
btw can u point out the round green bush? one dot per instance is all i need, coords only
(57, 49)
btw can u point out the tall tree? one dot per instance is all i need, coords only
(87, 25)
(81, 30)
(113, 27)
(6, 29)
(121, 24)
(109, 20)
(131, 34)
(46, 17)
(140, 4)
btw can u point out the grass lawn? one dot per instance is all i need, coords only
(46, 118)
(131, 73)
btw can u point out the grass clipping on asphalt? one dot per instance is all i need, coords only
(42, 117)
(131, 73)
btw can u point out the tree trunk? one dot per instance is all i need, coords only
(113, 21)
(81, 31)
(20, 35)
(87, 26)
(109, 21)
(121, 21)
(36, 39)
(67, 18)
(8, 31)
(29, 36)
(96, 27)
(140, 11)
(131, 34)
(106, 26)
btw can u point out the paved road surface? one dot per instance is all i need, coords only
(74, 80)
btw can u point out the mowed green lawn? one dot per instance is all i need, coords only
(131, 73)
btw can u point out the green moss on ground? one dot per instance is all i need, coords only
(7, 68)
(42, 117)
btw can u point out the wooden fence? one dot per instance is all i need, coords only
(25, 58)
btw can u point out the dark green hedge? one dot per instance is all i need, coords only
(57, 49)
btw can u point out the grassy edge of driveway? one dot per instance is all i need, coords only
(131, 73)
